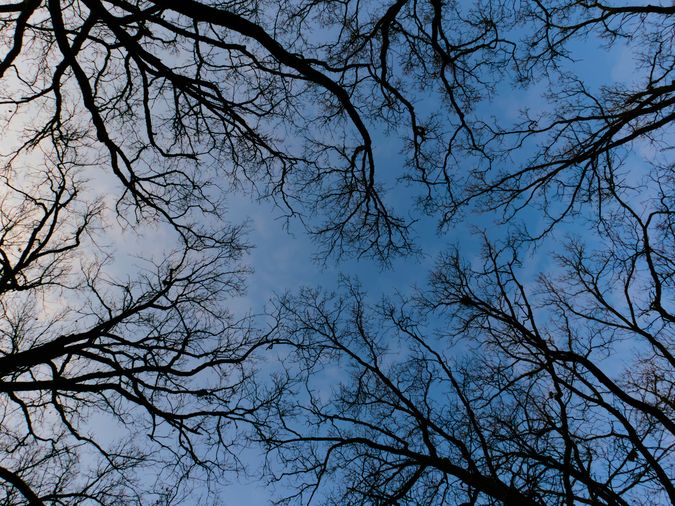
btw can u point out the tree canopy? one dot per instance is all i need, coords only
(536, 371)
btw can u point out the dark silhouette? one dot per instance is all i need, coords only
(485, 389)
(488, 387)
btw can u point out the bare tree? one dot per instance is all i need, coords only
(175, 100)
(497, 388)
(489, 388)
(287, 97)
(114, 390)
(224, 84)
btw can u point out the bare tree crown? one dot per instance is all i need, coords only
(487, 387)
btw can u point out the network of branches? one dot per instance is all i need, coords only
(135, 383)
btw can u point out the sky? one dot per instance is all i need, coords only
(285, 260)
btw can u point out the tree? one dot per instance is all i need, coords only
(171, 103)
(489, 390)
(157, 354)
(119, 382)
(252, 93)
(491, 387)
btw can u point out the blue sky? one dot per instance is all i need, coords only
(287, 259)
(284, 260)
